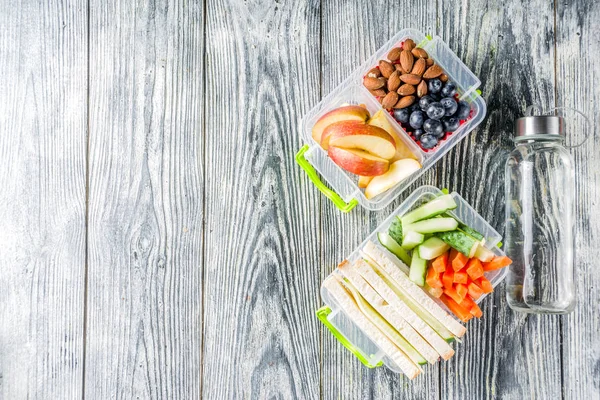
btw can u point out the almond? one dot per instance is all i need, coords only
(378, 92)
(429, 62)
(393, 82)
(422, 89)
(404, 102)
(374, 73)
(406, 90)
(373, 83)
(398, 68)
(444, 78)
(386, 68)
(409, 44)
(433, 72)
(394, 54)
(410, 78)
(406, 60)
(419, 67)
(419, 52)
(389, 100)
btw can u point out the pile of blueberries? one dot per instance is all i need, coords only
(434, 114)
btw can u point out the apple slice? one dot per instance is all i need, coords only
(352, 135)
(398, 171)
(358, 161)
(363, 181)
(381, 121)
(347, 113)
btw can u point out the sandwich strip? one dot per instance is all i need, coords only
(435, 340)
(388, 312)
(402, 280)
(347, 304)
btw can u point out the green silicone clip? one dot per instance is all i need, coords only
(322, 314)
(312, 175)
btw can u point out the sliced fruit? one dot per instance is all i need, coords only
(347, 113)
(460, 277)
(435, 207)
(497, 263)
(474, 291)
(432, 248)
(412, 240)
(398, 171)
(418, 266)
(448, 279)
(462, 314)
(484, 284)
(432, 225)
(363, 181)
(433, 279)
(474, 268)
(358, 161)
(353, 135)
(390, 244)
(440, 263)
(458, 259)
(381, 121)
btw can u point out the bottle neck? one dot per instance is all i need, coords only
(538, 139)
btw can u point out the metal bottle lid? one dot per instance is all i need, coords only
(540, 125)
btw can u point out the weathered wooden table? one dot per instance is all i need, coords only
(158, 241)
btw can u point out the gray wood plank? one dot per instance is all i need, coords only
(351, 32)
(43, 79)
(577, 73)
(144, 328)
(262, 220)
(511, 49)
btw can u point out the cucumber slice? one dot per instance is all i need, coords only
(460, 241)
(412, 239)
(395, 230)
(432, 225)
(416, 307)
(466, 228)
(390, 244)
(435, 207)
(431, 248)
(418, 267)
(484, 254)
(387, 329)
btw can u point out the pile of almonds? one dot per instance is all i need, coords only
(398, 82)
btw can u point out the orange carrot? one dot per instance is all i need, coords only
(453, 294)
(460, 277)
(460, 312)
(484, 284)
(440, 263)
(474, 291)
(436, 292)
(474, 268)
(433, 278)
(476, 311)
(497, 263)
(461, 290)
(448, 278)
(458, 260)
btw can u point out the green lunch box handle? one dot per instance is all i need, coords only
(322, 314)
(314, 177)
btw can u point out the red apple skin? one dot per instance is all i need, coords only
(346, 113)
(352, 135)
(347, 127)
(358, 162)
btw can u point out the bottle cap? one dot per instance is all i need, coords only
(540, 125)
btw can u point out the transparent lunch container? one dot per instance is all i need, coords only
(342, 327)
(343, 187)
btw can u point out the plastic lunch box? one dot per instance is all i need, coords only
(344, 191)
(352, 337)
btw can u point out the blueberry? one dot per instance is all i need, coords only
(449, 89)
(414, 107)
(417, 134)
(435, 111)
(449, 105)
(428, 141)
(416, 119)
(451, 124)
(463, 110)
(433, 127)
(425, 102)
(436, 96)
(402, 115)
(434, 86)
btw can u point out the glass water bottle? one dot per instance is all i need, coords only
(540, 192)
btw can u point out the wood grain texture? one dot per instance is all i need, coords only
(577, 71)
(505, 354)
(261, 278)
(42, 198)
(144, 327)
(351, 32)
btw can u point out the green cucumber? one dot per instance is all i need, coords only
(418, 268)
(395, 230)
(460, 241)
(484, 254)
(387, 329)
(412, 239)
(390, 244)
(428, 210)
(432, 248)
(432, 225)
(466, 228)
